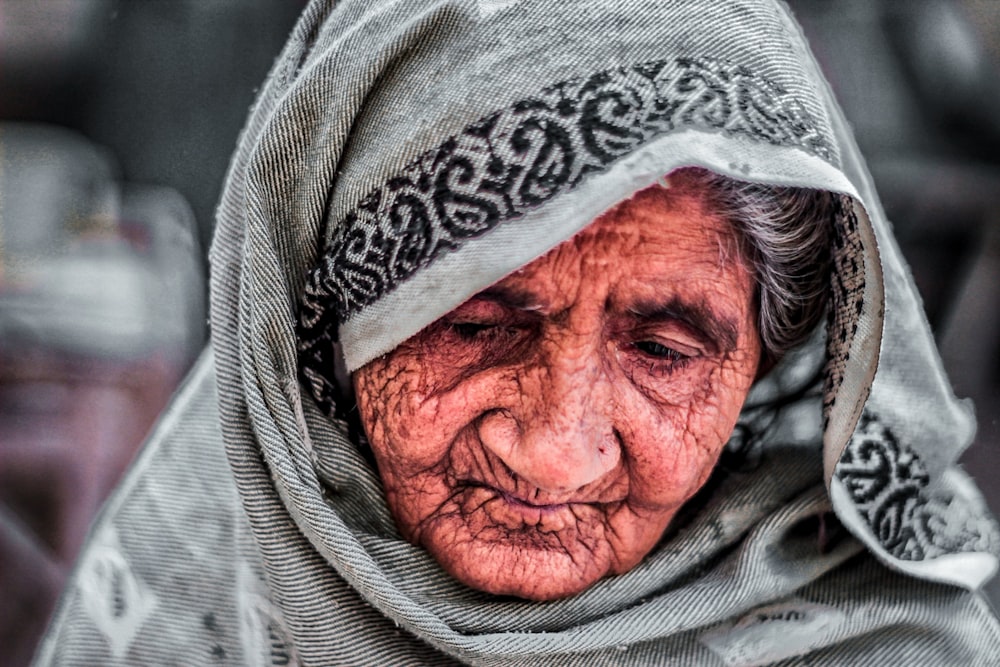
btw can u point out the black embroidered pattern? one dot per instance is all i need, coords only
(889, 485)
(847, 298)
(514, 160)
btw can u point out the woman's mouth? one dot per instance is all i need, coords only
(516, 513)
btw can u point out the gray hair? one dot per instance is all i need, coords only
(786, 235)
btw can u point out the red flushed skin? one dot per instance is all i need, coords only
(544, 434)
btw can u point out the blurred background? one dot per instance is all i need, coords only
(117, 120)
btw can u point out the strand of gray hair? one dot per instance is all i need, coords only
(785, 235)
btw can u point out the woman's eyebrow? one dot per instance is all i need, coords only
(714, 328)
(511, 298)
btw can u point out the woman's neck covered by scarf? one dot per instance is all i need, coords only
(405, 155)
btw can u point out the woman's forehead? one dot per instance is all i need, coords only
(658, 246)
(656, 229)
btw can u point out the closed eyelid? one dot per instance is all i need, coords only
(491, 310)
(716, 331)
(685, 345)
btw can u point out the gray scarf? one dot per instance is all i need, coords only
(403, 156)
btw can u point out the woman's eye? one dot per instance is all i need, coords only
(653, 359)
(471, 330)
(658, 350)
(487, 342)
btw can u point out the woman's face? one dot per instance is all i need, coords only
(544, 434)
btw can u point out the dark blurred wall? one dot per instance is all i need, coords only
(164, 84)
(177, 82)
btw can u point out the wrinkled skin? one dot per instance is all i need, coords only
(543, 435)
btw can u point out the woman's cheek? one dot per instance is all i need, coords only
(413, 410)
(712, 418)
(670, 468)
(388, 405)
(676, 446)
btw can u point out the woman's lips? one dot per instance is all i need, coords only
(527, 503)
(514, 512)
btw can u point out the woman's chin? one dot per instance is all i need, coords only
(532, 576)
(535, 567)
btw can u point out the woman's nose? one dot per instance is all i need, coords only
(559, 436)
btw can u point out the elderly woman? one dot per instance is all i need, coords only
(548, 333)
